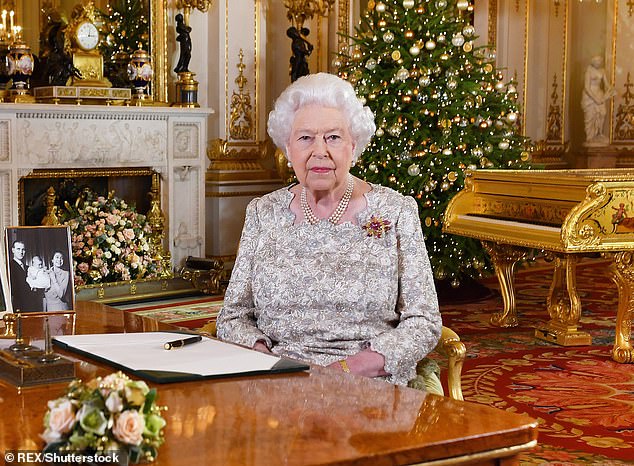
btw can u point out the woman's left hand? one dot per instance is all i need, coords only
(367, 363)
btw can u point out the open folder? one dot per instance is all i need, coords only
(144, 354)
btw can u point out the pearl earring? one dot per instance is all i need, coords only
(289, 164)
(352, 164)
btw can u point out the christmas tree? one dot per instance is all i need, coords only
(441, 108)
(126, 28)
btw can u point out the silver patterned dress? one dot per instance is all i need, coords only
(319, 293)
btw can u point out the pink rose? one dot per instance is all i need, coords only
(129, 427)
(83, 267)
(128, 234)
(61, 418)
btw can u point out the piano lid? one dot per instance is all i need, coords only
(561, 210)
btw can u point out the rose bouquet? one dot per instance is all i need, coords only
(104, 417)
(110, 241)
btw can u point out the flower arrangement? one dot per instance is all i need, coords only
(105, 416)
(110, 241)
(376, 227)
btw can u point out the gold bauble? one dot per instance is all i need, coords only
(452, 176)
(396, 55)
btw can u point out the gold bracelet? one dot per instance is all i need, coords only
(344, 365)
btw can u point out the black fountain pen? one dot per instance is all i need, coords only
(185, 341)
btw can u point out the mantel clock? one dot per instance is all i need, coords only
(83, 34)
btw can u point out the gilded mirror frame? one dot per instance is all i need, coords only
(158, 49)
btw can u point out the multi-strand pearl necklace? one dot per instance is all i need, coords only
(310, 217)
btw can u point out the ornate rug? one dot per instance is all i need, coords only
(582, 399)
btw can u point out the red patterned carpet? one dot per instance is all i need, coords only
(584, 401)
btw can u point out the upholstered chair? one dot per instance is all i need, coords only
(453, 351)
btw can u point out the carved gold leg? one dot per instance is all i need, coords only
(564, 306)
(623, 276)
(504, 258)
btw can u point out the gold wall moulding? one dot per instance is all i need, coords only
(554, 121)
(624, 121)
(241, 122)
(221, 149)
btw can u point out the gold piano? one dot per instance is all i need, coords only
(568, 213)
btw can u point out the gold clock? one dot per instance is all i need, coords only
(84, 39)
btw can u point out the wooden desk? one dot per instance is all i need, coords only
(317, 417)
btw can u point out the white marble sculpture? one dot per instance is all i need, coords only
(596, 93)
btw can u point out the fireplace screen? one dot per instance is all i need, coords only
(131, 184)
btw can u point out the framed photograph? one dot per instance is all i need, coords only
(4, 288)
(40, 269)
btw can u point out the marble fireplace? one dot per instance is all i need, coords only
(169, 141)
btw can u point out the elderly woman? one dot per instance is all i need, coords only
(332, 270)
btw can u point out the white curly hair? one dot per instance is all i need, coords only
(327, 90)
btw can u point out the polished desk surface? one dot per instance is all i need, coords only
(313, 417)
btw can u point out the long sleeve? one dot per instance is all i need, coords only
(420, 323)
(237, 319)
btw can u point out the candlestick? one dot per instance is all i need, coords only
(11, 13)
(4, 19)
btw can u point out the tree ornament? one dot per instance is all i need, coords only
(441, 4)
(511, 117)
(414, 50)
(379, 132)
(407, 4)
(424, 80)
(413, 169)
(503, 145)
(409, 34)
(388, 37)
(462, 4)
(468, 30)
(452, 176)
(370, 64)
(373, 168)
(402, 74)
(394, 130)
(380, 7)
(441, 39)
(430, 45)
(457, 39)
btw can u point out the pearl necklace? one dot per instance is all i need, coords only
(334, 218)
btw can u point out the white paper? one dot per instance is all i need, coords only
(145, 352)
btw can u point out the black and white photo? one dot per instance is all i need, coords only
(40, 271)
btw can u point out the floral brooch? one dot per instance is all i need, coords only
(377, 226)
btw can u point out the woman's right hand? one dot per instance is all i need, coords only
(261, 347)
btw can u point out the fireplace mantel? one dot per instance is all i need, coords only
(171, 141)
